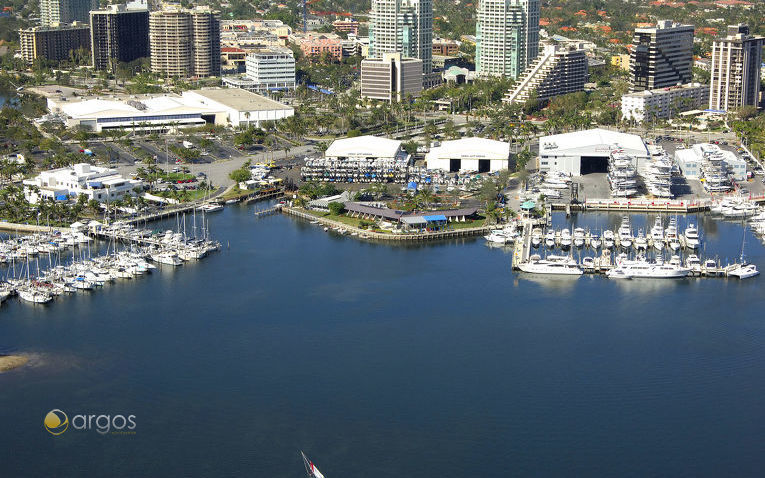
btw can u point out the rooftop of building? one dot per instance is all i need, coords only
(240, 99)
(471, 147)
(589, 138)
(369, 146)
(665, 90)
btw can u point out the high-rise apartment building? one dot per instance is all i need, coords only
(53, 43)
(54, 12)
(736, 60)
(559, 70)
(119, 33)
(662, 56)
(507, 36)
(402, 26)
(185, 42)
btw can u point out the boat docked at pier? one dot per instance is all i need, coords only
(643, 269)
(551, 265)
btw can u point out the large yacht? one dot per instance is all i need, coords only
(657, 234)
(691, 235)
(554, 265)
(642, 269)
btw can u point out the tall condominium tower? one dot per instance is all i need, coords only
(54, 12)
(185, 42)
(118, 33)
(662, 56)
(402, 26)
(507, 36)
(736, 61)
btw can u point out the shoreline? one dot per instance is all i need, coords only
(11, 362)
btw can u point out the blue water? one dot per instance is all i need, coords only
(379, 361)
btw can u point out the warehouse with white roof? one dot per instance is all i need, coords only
(365, 147)
(469, 154)
(225, 107)
(585, 152)
(364, 159)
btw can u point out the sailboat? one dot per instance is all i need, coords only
(744, 270)
(310, 468)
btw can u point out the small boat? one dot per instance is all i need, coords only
(550, 239)
(691, 237)
(595, 241)
(579, 235)
(565, 239)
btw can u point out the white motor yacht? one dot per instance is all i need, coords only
(553, 265)
(550, 239)
(642, 269)
(691, 235)
(579, 235)
(565, 239)
(608, 239)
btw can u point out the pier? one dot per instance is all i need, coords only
(635, 205)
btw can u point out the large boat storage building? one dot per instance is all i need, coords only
(363, 159)
(469, 154)
(584, 152)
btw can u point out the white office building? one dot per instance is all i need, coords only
(469, 154)
(584, 152)
(507, 36)
(664, 103)
(266, 71)
(101, 184)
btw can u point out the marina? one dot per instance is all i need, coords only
(68, 262)
(289, 308)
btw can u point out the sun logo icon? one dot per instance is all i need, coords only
(56, 422)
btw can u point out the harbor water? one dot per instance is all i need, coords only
(392, 361)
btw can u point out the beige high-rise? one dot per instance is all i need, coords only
(185, 43)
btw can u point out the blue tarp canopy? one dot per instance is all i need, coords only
(412, 185)
(528, 205)
(320, 90)
(435, 218)
(95, 184)
(62, 198)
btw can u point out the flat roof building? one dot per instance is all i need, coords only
(101, 184)
(225, 107)
(469, 154)
(391, 78)
(244, 108)
(584, 152)
(664, 103)
(270, 69)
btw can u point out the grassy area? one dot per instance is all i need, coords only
(236, 193)
(186, 195)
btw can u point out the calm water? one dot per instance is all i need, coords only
(386, 361)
